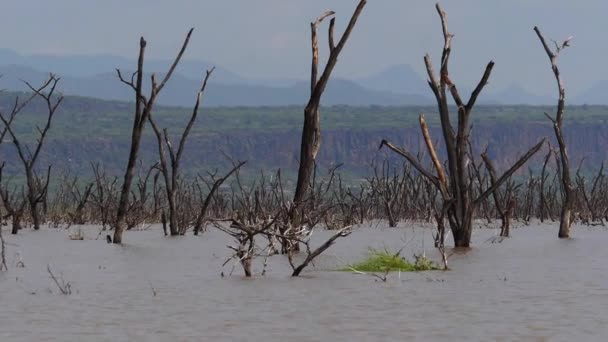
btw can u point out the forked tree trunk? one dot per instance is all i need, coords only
(202, 215)
(171, 172)
(138, 123)
(566, 216)
(143, 108)
(454, 186)
(36, 189)
(505, 210)
(311, 131)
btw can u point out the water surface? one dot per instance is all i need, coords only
(529, 287)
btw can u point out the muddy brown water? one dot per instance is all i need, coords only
(529, 287)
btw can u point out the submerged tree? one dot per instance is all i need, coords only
(506, 206)
(311, 131)
(568, 194)
(143, 109)
(37, 185)
(171, 173)
(455, 185)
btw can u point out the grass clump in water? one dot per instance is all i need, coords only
(425, 264)
(384, 261)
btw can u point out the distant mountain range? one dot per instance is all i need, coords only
(94, 76)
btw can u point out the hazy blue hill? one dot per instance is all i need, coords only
(403, 79)
(181, 90)
(596, 94)
(397, 79)
(92, 65)
(516, 95)
(398, 85)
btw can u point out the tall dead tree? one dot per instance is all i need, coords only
(455, 186)
(566, 216)
(37, 185)
(311, 131)
(171, 174)
(143, 109)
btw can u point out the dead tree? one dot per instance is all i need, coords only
(171, 174)
(387, 189)
(353, 206)
(246, 252)
(311, 131)
(62, 203)
(137, 213)
(566, 216)
(213, 185)
(480, 180)
(104, 196)
(506, 206)
(37, 186)
(360, 203)
(543, 179)
(261, 210)
(455, 186)
(594, 198)
(527, 202)
(80, 198)
(245, 234)
(143, 108)
(312, 254)
(13, 201)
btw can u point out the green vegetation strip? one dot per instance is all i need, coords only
(383, 261)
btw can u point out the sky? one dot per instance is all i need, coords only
(270, 39)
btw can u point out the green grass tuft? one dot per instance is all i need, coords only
(383, 261)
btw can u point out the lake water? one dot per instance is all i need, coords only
(529, 287)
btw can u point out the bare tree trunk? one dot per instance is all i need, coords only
(566, 216)
(36, 191)
(245, 254)
(34, 212)
(143, 108)
(543, 179)
(504, 211)
(311, 255)
(198, 226)
(311, 131)
(455, 189)
(171, 175)
(13, 204)
(505, 229)
(3, 266)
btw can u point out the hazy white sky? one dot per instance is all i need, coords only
(270, 38)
